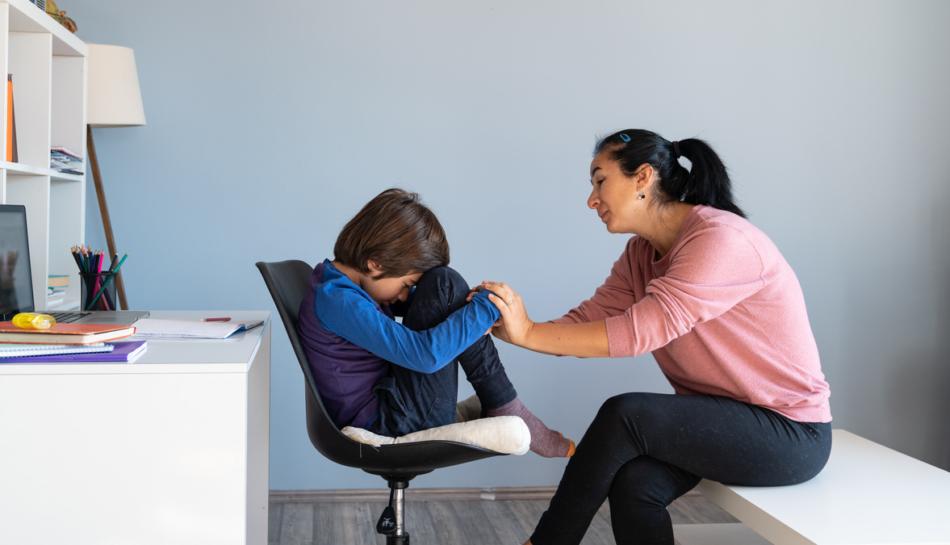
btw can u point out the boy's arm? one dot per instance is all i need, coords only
(355, 318)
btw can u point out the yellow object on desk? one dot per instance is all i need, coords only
(33, 320)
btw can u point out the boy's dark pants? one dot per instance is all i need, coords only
(412, 401)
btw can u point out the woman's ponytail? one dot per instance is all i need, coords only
(706, 182)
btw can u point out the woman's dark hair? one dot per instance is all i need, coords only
(707, 182)
(396, 231)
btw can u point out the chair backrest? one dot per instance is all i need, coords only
(288, 282)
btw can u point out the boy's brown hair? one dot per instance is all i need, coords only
(396, 231)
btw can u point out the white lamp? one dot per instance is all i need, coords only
(113, 100)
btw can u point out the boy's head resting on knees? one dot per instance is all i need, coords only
(387, 246)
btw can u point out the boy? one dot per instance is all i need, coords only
(390, 378)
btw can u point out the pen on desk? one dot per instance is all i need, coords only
(216, 319)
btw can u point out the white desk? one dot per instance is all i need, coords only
(171, 449)
(867, 494)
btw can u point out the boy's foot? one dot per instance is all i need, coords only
(544, 441)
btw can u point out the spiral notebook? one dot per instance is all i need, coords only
(124, 352)
(22, 350)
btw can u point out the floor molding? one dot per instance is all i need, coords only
(418, 494)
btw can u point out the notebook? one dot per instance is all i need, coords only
(190, 329)
(11, 352)
(16, 276)
(64, 334)
(120, 352)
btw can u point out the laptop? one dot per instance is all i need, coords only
(16, 276)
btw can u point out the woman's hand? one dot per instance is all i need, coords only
(584, 340)
(514, 325)
(498, 328)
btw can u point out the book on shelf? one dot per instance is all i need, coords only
(120, 352)
(64, 334)
(62, 150)
(56, 288)
(12, 156)
(63, 160)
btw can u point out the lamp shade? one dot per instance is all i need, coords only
(114, 98)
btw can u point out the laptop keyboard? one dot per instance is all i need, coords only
(67, 317)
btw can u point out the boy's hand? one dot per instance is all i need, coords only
(472, 293)
(498, 330)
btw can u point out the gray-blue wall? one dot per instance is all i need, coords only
(271, 124)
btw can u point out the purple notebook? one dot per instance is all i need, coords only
(123, 352)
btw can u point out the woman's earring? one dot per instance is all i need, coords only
(641, 196)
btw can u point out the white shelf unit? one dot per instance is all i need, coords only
(49, 68)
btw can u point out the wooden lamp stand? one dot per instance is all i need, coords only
(104, 210)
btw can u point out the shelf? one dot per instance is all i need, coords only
(26, 17)
(49, 66)
(18, 168)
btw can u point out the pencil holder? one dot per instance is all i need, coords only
(91, 284)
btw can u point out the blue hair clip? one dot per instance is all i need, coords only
(624, 137)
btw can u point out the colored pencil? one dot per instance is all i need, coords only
(116, 269)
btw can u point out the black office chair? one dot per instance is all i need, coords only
(288, 282)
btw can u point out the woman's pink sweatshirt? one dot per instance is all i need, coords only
(722, 312)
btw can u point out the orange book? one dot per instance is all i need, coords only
(64, 334)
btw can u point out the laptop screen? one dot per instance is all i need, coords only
(16, 284)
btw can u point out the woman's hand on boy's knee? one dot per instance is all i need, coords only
(506, 295)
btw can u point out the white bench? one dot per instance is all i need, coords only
(867, 494)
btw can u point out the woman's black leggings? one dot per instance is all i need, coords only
(643, 451)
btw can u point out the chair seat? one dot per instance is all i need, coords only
(501, 434)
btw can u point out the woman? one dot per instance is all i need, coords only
(724, 316)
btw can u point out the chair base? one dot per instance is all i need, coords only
(397, 511)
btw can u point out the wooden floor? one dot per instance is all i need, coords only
(504, 522)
